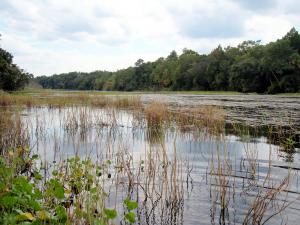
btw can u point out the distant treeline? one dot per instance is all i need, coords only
(249, 67)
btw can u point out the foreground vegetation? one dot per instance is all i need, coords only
(73, 194)
(249, 67)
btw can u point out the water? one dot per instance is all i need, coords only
(101, 134)
(249, 109)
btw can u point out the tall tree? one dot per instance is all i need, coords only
(248, 67)
(11, 76)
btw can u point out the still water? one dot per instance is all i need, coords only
(101, 134)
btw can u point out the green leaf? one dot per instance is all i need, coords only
(130, 217)
(8, 201)
(2, 160)
(34, 157)
(21, 184)
(131, 205)
(93, 190)
(37, 176)
(37, 193)
(110, 213)
(61, 213)
(43, 215)
(35, 205)
(25, 216)
(54, 172)
(99, 222)
(56, 189)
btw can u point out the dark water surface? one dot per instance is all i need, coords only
(250, 109)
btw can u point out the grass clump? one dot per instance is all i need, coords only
(156, 114)
(12, 132)
(210, 117)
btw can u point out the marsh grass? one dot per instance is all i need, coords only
(209, 117)
(268, 196)
(286, 137)
(57, 101)
(153, 115)
(156, 114)
(222, 182)
(86, 190)
(13, 133)
(271, 198)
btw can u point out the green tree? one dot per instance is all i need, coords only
(11, 76)
(248, 67)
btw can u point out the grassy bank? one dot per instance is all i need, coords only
(57, 92)
(71, 92)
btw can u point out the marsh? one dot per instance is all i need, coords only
(182, 158)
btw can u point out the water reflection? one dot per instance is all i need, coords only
(179, 179)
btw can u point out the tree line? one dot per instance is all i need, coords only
(12, 78)
(248, 67)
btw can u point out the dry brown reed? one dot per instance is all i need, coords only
(9, 100)
(266, 203)
(156, 182)
(210, 117)
(156, 114)
(120, 102)
(267, 200)
(285, 136)
(13, 132)
(222, 181)
(54, 101)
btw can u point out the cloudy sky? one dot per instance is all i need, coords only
(57, 36)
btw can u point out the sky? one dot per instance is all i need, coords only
(56, 36)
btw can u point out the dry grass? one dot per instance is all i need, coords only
(222, 182)
(267, 200)
(13, 132)
(211, 117)
(156, 114)
(268, 196)
(54, 101)
(9, 100)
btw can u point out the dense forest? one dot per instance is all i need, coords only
(249, 67)
(11, 76)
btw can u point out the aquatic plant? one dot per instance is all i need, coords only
(72, 194)
(104, 181)
(156, 114)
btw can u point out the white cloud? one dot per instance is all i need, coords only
(49, 37)
(267, 28)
